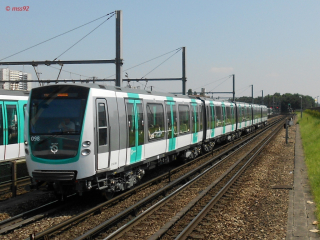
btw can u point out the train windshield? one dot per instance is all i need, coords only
(56, 117)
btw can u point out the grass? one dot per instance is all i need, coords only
(310, 134)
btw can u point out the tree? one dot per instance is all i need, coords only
(190, 91)
(194, 93)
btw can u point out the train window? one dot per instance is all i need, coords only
(1, 126)
(102, 119)
(171, 120)
(12, 120)
(200, 117)
(232, 114)
(155, 117)
(208, 117)
(219, 116)
(228, 115)
(194, 117)
(212, 113)
(249, 112)
(184, 119)
(135, 122)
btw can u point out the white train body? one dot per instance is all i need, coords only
(118, 133)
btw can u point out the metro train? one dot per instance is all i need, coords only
(84, 137)
(12, 113)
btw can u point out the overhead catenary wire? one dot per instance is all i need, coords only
(213, 82)
(85, 36)
(218, 85)
(58, 36)
(81, 75)
(161, 63)
(178, 49)
(243, 90)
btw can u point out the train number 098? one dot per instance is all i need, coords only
(35, 138)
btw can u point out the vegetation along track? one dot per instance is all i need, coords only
(111, 208)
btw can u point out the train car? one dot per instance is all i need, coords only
(12, 112)
(83, 137)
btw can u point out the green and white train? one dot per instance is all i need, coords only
(12, 106)
(82, 137)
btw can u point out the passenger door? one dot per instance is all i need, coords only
(135, 131)
(11, 130)
(2, 144)
(172, 131)
(102, 133)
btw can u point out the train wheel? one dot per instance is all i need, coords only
(107, 195)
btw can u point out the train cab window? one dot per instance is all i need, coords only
(102, 120)
(1, 126)
(219, 118)
(12, 120)
(155, 117)
(184, 119)
(200, 117)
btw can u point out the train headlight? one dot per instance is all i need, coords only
(26, 143)
(86, 144)
(85, 152)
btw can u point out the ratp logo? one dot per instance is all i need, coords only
(54, 149)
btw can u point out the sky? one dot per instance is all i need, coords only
(272, 45)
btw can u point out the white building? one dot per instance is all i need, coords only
(12, 75)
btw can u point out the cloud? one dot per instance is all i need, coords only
(221, 69)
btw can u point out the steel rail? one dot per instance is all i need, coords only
(32, 215)
(194, 223)
(115, 219)
(6, 187)
(113, 201)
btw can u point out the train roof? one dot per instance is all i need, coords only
(124, 89)
(14, 92)
(141, 91)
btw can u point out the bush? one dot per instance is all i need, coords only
(313, 113)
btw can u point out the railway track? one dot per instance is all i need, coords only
(176, 182)
(181, 206)
(7, 187)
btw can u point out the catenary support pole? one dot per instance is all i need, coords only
(262, 97)
(252, 93)
(119, 48)
(234, 91)
(184, 75)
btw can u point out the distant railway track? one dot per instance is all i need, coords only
(7, 186)
(139, 205)
(32, 215)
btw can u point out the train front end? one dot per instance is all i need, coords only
(58, 150)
